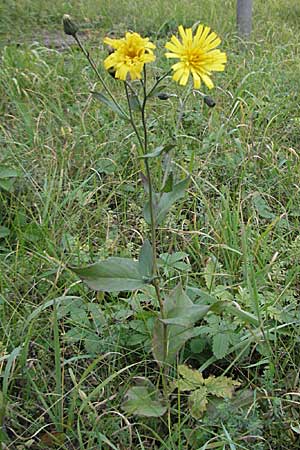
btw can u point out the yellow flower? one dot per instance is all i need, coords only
(197, 55)
(130, 55)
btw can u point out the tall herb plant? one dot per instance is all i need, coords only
(197, 56)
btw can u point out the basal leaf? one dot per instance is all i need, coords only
(221, 386)
(190, 379)
(144, 400)
(112, 275)
(198, 402)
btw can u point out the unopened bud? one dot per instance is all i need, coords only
(209, 101)
(163, 96)
(70, 27)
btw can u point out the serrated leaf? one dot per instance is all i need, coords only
(113, 106)
(112, 275)
(198, 402)
(144, 401)
(220, 344)
(190, 378)
(163, 203)
(146, 260)
(221, 386)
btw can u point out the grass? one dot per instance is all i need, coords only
(66, 363)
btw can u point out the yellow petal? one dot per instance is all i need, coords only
(207, 81)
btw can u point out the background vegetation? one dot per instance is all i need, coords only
(70, 194)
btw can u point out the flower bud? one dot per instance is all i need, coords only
(209, 101)
(163, 96)
(70, 27)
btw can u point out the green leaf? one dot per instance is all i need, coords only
(180, 316)
(210, 273)
(7, 172)
(220, 345)
(245, 316)
(163, 203)
(4, 232)
(144, 400)
(169, 183)
(158, 151)
(221, 386)
(113, 106)
(198, 402)
(134, 102)
(190, 379)
(112, 275)
(7, 184)
(146, 260)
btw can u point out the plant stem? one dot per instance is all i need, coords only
(153, 238)
(144, 147)
(94, 67)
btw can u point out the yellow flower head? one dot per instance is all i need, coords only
(130, 55)
(197, 55)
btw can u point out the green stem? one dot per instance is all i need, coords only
(144, 147)
(153, 238)
(94, 67)
(157, 82)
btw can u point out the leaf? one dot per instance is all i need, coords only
(221, 386)
(7, 172)
(134, 102)
(7, 184)
(112, 275)
(198, 402)
(52, 439)
(113, 106)
(191, 379)
(4, 232)
(235, 309)
(262, 207)
(180, 316)
(220, 345)
(163, 203)
(210, 273)
(168, 185)
(146, 260)
(158, 151)
(144, 400)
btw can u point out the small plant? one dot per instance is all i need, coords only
(174, 315)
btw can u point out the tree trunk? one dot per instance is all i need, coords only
(244, 17)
